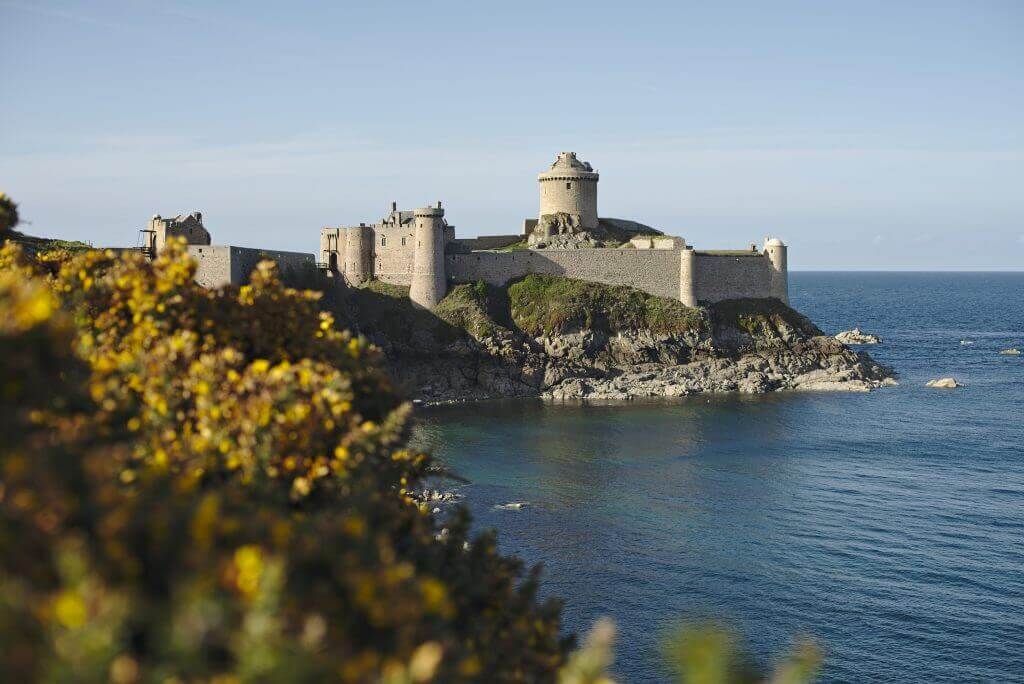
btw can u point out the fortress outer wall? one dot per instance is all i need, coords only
(727, 276)
(225, 264)
(687, 275)
(655, 271)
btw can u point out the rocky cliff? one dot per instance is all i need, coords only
(566, 339)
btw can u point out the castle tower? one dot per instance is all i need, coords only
(688, 276)
(429, 282)
(776, 252)
(570, 187)
(358, 256)
(189, 227)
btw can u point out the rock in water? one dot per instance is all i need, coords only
(943, 383)
(1010, 352)
(857, 336)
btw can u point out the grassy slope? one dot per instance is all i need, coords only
(544, 305)
(540, 305)
(756, 316)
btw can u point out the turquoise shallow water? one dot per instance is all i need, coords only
(889, 525)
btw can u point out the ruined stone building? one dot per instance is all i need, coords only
(217, 264)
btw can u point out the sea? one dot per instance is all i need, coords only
(888, 526)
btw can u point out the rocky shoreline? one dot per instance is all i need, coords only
(594, 365)
(469, 349)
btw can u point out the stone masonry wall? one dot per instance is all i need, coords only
(393, 260)
(571, 196)
(732, 277)
(655, 271)
(223, 264)
(244, 260)
(488, 242)
(214, 264)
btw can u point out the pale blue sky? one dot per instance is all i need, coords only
(865, 134)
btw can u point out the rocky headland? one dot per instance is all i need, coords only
(559, 338)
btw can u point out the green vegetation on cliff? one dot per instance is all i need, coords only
(760, 316)
(540, 305)
(472, 308)
(551, 305)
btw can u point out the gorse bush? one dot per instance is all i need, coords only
(8, 216)
(214, 486)
(211, 485)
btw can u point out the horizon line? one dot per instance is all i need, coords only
(907, 269)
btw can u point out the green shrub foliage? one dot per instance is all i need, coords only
(205, 485)
(213, 485)
(8, 216)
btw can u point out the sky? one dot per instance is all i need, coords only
(867, 135)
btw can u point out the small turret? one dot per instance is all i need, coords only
(776, 252)
(429, 283)
(688, 276)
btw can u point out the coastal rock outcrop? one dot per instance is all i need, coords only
(943, 383)
(858, 336)
(560, 339)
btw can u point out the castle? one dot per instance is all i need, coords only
(419, 249)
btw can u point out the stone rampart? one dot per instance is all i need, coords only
(214, 264)
(732, 276)
(244, 260)
(484, 242)
(655, 271)
(225, 264)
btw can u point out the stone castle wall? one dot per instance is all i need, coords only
(225, 264)
(655, 271)
(394, 251)
(486, 242)
(214, 264)
(722, 276)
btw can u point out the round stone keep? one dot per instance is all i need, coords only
(570, 187)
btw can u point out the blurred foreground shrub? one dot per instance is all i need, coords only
(8, 216)
(212, 485)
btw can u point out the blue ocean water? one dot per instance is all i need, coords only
(889, 525)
